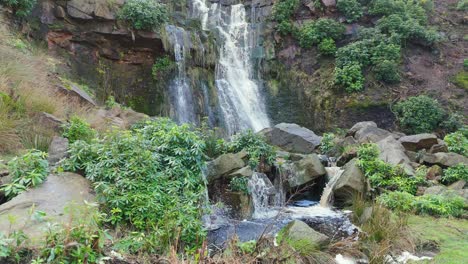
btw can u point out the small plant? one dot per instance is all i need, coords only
(239, 184)
(419, 114)
(162, 66)
(22, 8)
(387, 71)
(12, 246)
(144, 14)
(350, 77)
(328, 143)
(351, 9)
(462, 5)
(247, 247)
(78, 129)
(400, 201)
(27, 171)
(282, 13)
(327, 47)
(458, 141)
(313, 33)
(258, 151)
(455, 173)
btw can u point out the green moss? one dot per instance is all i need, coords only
(365, 103)
(461, 79)
(449, 233)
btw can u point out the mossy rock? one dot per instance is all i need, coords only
(301, 238)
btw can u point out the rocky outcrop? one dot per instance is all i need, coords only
(418, 142)
(51, 197)
(223, 165)
(292, 138)
(89, 9)
(371, 134)
(298, 233)
(57, 150)
(305, 171)
(49, 121)
(77, 93)
(447, 192)
(393, 152)
(445, 159)
(360, 125)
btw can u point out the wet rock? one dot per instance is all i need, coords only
(240, 204)
(298, 233)
(448, 159)
(51, 197)
(393, 152)
(292, 138)
(419, 141)
(57, 150)
(223, 165)
(359, 126)
(306, 170)
(349, 183)
(371, 134)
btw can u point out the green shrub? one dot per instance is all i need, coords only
(351, 9)
(387, 71)
(314, 32)
(13, 246)
(258, 151)
(453, 122)
(327, 47)
(458, 141)
(455, 173)
(283, 11)
(215, 145)
(355, 53)
(400, 201)
(462, 5)
(419, 114)
(27, 171)
(350, 77)
(22, 8)
(239, 184)
(144, 14)
(328, 142)
(161, 67)
(149, 179)
(78, 129)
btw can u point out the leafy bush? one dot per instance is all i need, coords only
(215, 145)
(419, 114)
(351, 9)
(27, 171)
(239, 184)
(327, 47)
(144, 14)
(282, 13)
(355, 53)
(78, 129)
(462, 5)
(350, 77)
(314, 32)
(458, 141)
(387, 71)
(22, 8)
(162, 66)
(148, 178)
(258, 151)
(455, 173)
(13, 247)
(328, 142)
(436, 205)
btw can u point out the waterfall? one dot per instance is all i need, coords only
(261, 189)
(239, 94)
(333, 174)
(181, 97)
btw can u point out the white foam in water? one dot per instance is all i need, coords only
(333, 173)
(404, 258)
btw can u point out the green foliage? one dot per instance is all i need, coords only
(258, 151)
(314, 32)
(383, 175)
(148, 178)
(462, 5)
(351, 9)
(350, 77)
(328, 142)
(27, 171)
(247, 247)
(419, 114)
(162, 66)
(12, 246)
(327, 47)
(283, 11)
(455, 173)
(436, 205)
(78, 129)
(239, 184)
(458, 141)
(145, 14)
(387, 71)
(22, 8)
(214, 143)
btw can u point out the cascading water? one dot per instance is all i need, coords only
(181, 98)
(239, 95)
(333, 174)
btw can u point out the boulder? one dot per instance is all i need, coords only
(448, 159)
(359, 126)
(51, 197)
(292, 138)
(87, 9)
(447, 192)
(393, 152)
(305, 170)
(299, 234)
(49, 121)
(240, 204)
(329, 3)
(371, 134)
(224, 165)
(76, 92)
(419, 141)
(440, 147)
(433, 172)
(57, 150)
(458, 185)
(242, 172)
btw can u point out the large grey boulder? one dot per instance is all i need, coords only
(292, 138)
(448, 159)
(419, 141)
(447, 192)
(242, 172)
(305, 170)
(329, 3)
(393, 152)
(359, 126)
(51, 197)
(298, 234)
(57, 150)
(370, 134)
(223, 165)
